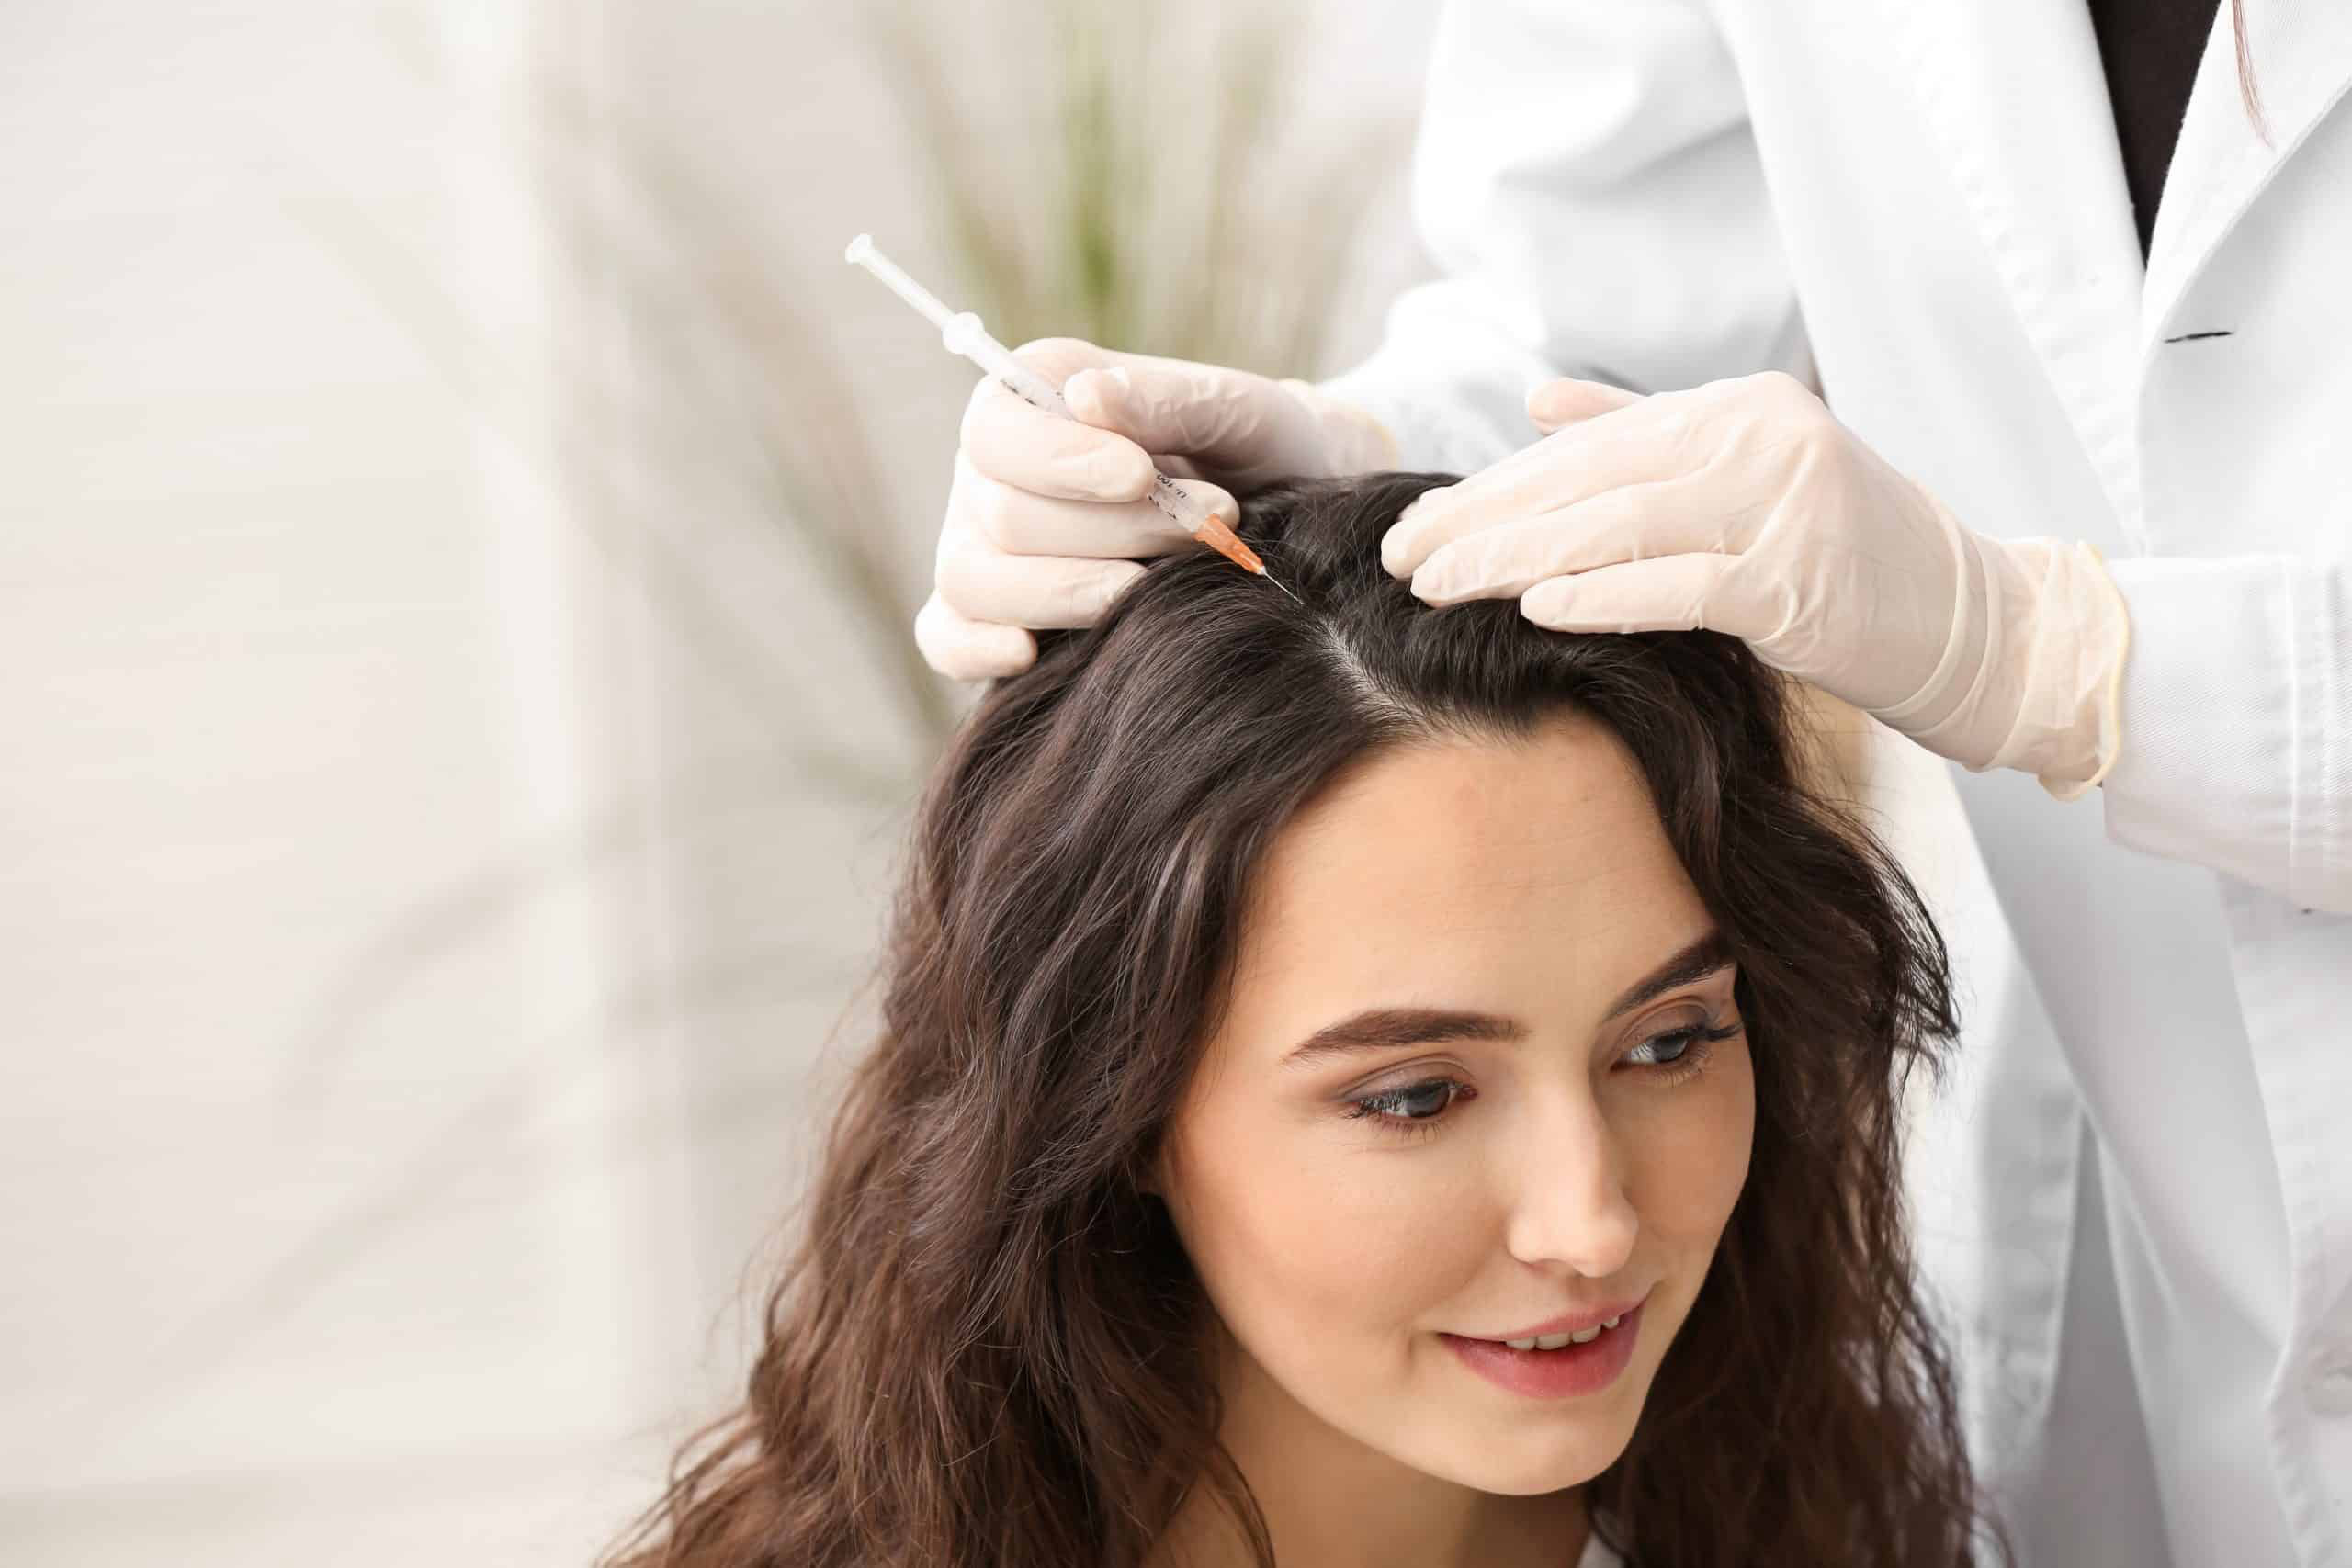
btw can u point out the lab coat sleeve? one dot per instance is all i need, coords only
(2237, 722)
(1587, 183)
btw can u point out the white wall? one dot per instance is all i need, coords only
(418, 928)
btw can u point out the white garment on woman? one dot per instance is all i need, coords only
(2137, 1200)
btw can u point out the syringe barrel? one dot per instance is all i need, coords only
(963, 334)
(967, 336)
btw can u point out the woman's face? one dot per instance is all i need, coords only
(1482, 1075)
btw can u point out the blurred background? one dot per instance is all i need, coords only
(462, 526)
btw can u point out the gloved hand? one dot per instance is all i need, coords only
(1744, 507)
(1045, 514)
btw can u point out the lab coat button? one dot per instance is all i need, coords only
(2331, 1390)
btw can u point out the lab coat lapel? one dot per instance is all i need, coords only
(2302, 54)
(2012, 93)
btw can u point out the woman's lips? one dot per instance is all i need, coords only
(1553, 1374)
(1571, 1323)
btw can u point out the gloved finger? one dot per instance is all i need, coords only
(1555, 405)
(1021, 522)
(1174, 405)
(983, 583)
(1672, 593)
(1629, 445)
(1635, 522)
(1015, 443)
(965, 649)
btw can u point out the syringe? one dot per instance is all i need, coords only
(964, 334)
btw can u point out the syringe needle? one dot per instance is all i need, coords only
(1295, 598)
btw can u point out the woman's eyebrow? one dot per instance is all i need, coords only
(1381, 1029)
(1695, 963)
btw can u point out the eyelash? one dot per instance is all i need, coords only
(1697, 1040)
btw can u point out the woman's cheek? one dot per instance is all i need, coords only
(1291, 1224)
(1694, 1142)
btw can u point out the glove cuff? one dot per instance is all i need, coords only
(2042, 633)
(2069, 729)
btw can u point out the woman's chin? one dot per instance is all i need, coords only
(1522, 1466)
(1534, 1486)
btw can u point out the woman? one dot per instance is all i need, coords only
(1925, 210)
(1364, 1084)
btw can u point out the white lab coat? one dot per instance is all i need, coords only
(2137, 1200)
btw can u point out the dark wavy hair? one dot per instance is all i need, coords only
(990, 1349)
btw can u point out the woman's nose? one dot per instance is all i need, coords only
(1570, 1205)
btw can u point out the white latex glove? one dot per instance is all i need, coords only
(1744, 507)
(1045, 514)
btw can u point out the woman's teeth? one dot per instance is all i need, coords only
(1553, 1341)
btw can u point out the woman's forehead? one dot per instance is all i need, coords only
(1474, 864)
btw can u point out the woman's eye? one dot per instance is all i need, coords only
(1423, 1102)
(1671, 1048)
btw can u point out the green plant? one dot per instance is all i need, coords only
(1129, 180)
